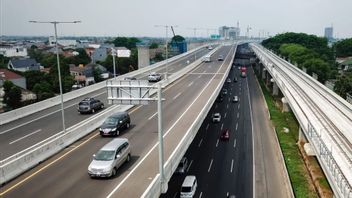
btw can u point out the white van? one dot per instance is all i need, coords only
(109, 158)
(207, 58)
(189, 187)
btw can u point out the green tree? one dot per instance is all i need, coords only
(67, 79)
(343, 48)
(12, 97)
(129, 43)
(153, 45)
(43, 90)
(33, 77)
(81, 58)
(97, 74)
(318, 66)
(3, 61)
(343, 85)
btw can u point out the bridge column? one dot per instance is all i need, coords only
(275, 89)
(285, 105)
(264, 73)
(301, 136)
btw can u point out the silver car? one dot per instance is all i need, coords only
(109, 158)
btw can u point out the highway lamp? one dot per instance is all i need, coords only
(58, 64)
(166, 48)
(114, 53)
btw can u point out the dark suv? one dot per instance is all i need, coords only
(115, 123)
(89, 105)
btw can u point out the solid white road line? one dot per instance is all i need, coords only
(222, 126)
(177, 95)
(200, 142)
(236, 126)
(229, 98)
(200, 195)
(190, 84)
(225, 114)
(151, 117)
(234, 143)
(207, 127)
(227, 106)
(238, 115)
(190, 164)
(217, 143)
(25, 136)
(43, 116)
(231, 165)
(211, 162)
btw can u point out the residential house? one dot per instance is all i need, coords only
(84, 74)
(23, 64)
(16, 79)
(99, 54)
(13, 51)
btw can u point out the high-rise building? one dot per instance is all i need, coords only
(229, 32)
(328, 33)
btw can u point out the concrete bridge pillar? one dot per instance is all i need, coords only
(285, 105)
(275, 89)
(301, 136)
(143, 56)
(264, 73)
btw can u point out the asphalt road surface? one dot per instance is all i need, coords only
(25, 132)
(65, 174)
(225, 168)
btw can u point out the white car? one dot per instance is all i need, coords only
(154, 77)
(216, 117)
(235, 99)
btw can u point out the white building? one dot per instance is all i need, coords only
(64, 43)
(13, 51)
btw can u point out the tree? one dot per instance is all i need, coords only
(43, 90)
(318, 66)
(12, 97)
(343, 48)
(33, 77)
(67, 79)
(81, 58)
(129, 43)
(3, 61)
(343, 85)
(97, 74)
(153, 45)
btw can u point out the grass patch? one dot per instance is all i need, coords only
(297, 171)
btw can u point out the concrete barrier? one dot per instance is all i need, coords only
(39, 106)
(154, 189)
(17, 164)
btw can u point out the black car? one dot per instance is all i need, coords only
(89, 105)
(114, 124)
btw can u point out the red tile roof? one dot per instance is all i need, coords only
(8, 75)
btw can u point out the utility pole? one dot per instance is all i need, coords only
(58, 64)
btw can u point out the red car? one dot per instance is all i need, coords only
(225, 134)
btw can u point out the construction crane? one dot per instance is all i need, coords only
(173, 32)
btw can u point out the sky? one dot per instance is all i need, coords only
(139, 17)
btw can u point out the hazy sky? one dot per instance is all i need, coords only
(138, 17)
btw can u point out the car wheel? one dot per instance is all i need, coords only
(128, 158)
(93, 110)
(113, 172)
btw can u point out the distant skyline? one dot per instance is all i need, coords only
(138, 18)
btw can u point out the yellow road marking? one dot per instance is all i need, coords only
(46, 166)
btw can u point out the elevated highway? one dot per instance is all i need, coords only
(325, 118)
(67, 171)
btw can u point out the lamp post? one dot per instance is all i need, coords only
(166, 47)
(58, 64)
(114, 53)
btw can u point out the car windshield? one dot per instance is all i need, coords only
(186, 189)
(104, 155)
(216, 115)
(83, 103)
(111, 121)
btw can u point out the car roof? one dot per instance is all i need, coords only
(216, 114)
(189, 180)
(115, 143)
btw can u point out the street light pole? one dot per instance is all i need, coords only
(113, 53)
(58, 66)
(166, 47)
